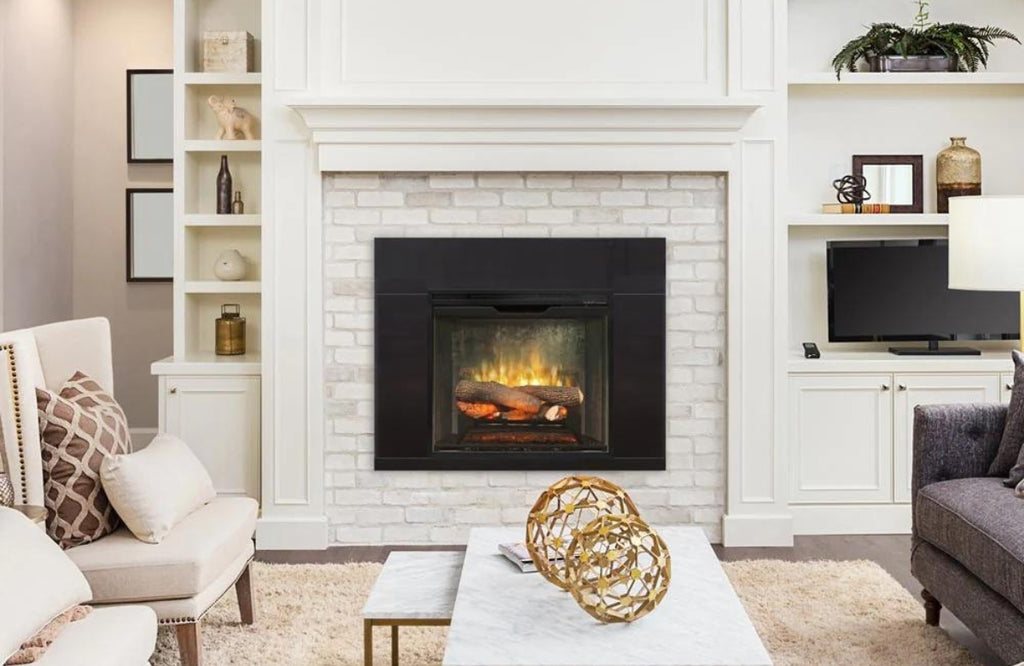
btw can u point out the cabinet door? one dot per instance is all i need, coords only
(931, 389)
(1005, 386)
(219, 418)
(840, 438)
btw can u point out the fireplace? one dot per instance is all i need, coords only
(520, 353)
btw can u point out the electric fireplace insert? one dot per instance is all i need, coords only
(520, 354)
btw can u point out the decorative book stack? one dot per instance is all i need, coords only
(853, 209)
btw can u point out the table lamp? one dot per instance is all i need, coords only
(986, 245)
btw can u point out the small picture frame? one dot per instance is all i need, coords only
(150, 98)
(897, 180)
(149, 218)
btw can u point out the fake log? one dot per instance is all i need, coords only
(497, 394)
(489, 412)
(570, 396)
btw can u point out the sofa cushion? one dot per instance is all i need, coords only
(79, 427)
(111, 636)
(156, 488)
(37, 580)
(979, 523)
(121, 568)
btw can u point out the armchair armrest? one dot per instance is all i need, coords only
(954, 442)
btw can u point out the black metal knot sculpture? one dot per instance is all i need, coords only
(852, 189)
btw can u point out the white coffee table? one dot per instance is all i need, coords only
(506, 618)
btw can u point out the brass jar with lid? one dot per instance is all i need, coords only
(957, 172)
(230, 332)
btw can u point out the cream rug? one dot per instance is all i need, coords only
(807, 613)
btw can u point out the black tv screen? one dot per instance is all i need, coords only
(897, 290)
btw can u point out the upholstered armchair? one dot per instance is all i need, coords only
(199, 560)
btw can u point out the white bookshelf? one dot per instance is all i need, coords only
(896, 79)
(866, 220)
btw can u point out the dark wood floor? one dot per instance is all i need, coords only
(891, 552)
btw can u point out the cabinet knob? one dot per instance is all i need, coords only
(902, 387)
(173, 390)
(885, 387)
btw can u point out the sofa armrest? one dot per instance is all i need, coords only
(954, 442)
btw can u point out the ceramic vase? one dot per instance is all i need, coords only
(230, 266)
(957, 172)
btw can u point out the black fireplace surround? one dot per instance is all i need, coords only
(519, 354)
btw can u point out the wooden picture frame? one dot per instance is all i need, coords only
(149, 253)
(916, 186)
(153, 128)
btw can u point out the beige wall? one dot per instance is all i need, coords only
(36, 156)
(111, 36)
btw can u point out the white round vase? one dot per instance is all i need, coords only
(230, 266)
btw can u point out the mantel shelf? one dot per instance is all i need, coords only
(867, 220)
(454, 114)
(908, 79)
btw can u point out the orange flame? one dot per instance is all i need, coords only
(523, 369)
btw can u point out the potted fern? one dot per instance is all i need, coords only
(922, 47)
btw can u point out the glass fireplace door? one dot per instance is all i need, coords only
(515, 377)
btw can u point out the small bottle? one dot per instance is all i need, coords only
(224, 187)
(237, 206)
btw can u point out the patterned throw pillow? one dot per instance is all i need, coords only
(79, 427)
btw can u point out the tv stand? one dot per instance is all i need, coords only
(933, 349)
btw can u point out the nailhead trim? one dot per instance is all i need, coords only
(8, 349)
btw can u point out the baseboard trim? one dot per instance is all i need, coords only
(292, 533)
(852, 519)
(756, 530)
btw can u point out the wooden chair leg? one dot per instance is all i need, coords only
(190, 643)
(243, 590)
(394, 645)
(932, 608)
(367, 643)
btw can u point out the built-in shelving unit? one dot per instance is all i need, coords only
(908, 79)
(894, 219)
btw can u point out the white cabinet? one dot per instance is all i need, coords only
(840, 438)
(930, 389)
(1005, 386)
(219, 418)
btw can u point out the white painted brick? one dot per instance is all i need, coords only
(452, 181)
(365, 506)
(624, 198)
(525, 199)
(476, 198)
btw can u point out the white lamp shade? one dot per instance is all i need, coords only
(986, 243)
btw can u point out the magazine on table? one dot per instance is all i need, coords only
(517, 554)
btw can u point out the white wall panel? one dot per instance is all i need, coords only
(290, 44)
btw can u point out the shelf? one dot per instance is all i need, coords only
(212, 220)
(923, 78)
(892, 219)
(221, 78)
(865, 361)
(207, 363)
(219, 287)
(209, 146)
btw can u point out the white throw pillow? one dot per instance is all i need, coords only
(155, 488)
(38, 581)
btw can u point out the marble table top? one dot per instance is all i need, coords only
(506, 618)
(415, 586)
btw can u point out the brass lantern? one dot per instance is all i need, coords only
(230, 331)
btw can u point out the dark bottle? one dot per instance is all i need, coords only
(224, 188)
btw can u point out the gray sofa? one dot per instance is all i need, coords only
(968, 540)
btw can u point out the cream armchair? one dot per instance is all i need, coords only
(194, 566)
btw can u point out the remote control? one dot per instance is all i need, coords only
(811, 350)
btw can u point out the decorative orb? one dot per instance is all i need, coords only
(561, 511)
(618, 568)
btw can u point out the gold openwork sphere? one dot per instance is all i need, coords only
(561, 511)
(618, 568)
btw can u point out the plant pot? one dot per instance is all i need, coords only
(891, 63)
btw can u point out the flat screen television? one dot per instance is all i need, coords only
(897, 291)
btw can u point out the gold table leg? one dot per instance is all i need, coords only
(394, 645)
(367, 643)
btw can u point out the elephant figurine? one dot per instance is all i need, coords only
(235, 122)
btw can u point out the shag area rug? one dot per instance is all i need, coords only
(807, 613)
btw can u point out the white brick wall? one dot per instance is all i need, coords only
(364, 506)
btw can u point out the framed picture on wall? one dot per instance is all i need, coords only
(150, 116)
(149, 213)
